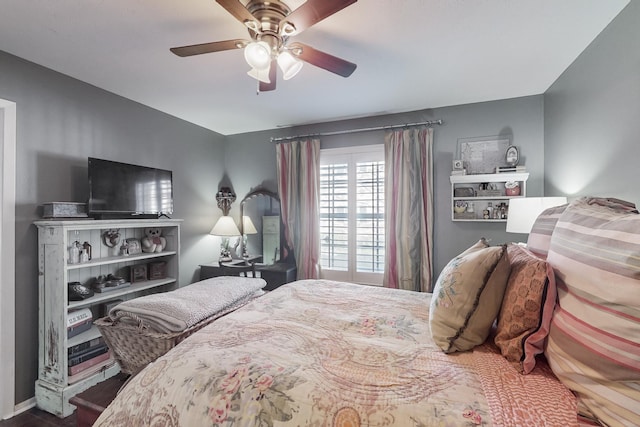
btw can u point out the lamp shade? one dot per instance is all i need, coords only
(261, 75)
(258, 55)
(247, 226)
(289, 64)
(225, 227)
(524, 211)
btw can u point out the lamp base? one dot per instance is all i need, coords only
(225, 254)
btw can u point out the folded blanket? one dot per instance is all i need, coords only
(177, 310)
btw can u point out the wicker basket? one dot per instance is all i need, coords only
(135, 346)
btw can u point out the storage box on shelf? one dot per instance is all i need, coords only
(55, 386)
(485, 197)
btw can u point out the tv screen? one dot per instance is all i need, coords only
(125, 189)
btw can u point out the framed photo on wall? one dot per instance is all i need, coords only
(483, 154)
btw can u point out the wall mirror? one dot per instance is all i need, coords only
(261, 226)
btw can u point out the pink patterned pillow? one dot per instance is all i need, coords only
(527, 308)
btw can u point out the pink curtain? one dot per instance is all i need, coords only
(299, 187)
(409, 209)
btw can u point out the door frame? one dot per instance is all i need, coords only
(7, 257)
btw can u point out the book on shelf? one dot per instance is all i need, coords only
(105, 364)
(78, 316)
(90, 354)
(72, 331)
(459, 172)
(72, 370)
(509, 169)
(78, 349)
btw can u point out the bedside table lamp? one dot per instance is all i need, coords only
(524, 211)
(225, 228)
(247, 228)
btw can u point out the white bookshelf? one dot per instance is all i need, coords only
(53, 389)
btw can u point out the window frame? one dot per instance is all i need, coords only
(352, 156)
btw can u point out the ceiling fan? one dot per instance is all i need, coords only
(270, 24)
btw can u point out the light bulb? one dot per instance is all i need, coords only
(262, 75)
(258, 55)
(289, 64)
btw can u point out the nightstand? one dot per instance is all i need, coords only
(214, 269)
(275, 275)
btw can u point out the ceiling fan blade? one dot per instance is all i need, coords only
(273, 74)
(323, 60)
(198, 49)
(240, 12)
(312, 12)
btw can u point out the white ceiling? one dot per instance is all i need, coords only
(411, 54)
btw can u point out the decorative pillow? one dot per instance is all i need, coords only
(467, 297)
(527, 307)
(540, 235)
(594, 340)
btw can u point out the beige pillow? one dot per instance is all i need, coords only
(467, 297)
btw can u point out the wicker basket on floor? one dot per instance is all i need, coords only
(135, 346)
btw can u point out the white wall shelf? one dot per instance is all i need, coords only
(479, 200)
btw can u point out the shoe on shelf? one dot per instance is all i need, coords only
(99, 282)
(114, 280)
(78, 292)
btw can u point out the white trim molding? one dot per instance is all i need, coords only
(7, 257)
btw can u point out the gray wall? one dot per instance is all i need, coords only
(254, 163)
(592, 117)
(61, 122)
(590, 129)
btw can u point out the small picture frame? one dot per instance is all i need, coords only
(157, 270)
(133, 246)
(512, 156)
(138, 273)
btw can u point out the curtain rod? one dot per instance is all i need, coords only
(342, 132)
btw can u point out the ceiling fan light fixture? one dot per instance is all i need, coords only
(289, 64)
(252, 25)
(260, 75)
(288, 29)
(258, 55)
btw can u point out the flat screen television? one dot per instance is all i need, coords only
(121, 190)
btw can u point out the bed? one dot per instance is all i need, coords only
(324, 353)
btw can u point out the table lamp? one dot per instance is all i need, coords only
(247, 228)
(524, 211)
(225, 228)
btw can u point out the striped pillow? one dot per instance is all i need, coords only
(540, 235)
(594, 341)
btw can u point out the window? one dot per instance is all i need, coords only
(352, 240)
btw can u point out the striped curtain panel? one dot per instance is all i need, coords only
(409, 209)
(298, 165)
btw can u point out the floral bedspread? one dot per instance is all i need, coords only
(313, 353)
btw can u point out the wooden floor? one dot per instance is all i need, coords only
(37, 418)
